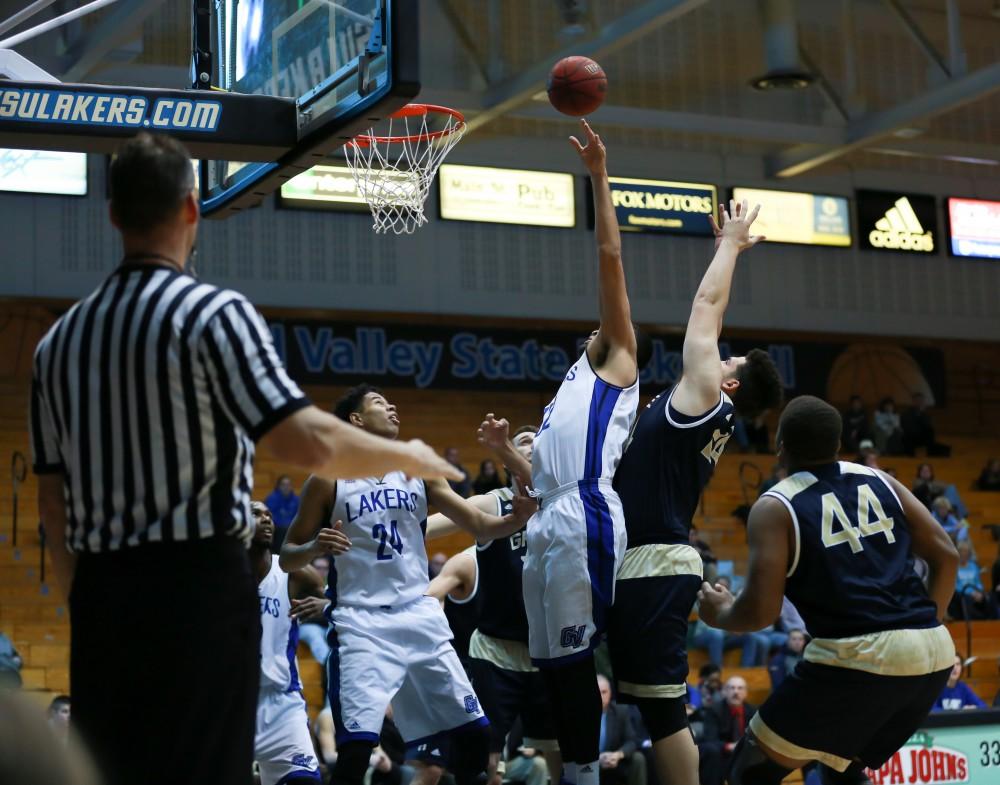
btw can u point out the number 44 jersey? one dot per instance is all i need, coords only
(385, 518)
(852, 566)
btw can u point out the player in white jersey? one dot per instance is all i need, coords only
(388, 640)
(283, 746)
(576, 539)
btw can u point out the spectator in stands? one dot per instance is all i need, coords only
(488, 478)
(283, 503)
(944, 514)
(970, 600)
(790, 655)
(725, 724)
(59, 717)
(918, 430)
(957, 694)
(435, 564)
(10, 664)
(312, 632)
(710, 684)
(887, 431)
(856, 427)
(705, 551)
(989, 479)
(28, 754)
(462, 487)
(925, 487)
(620, 759)
(524, 764)
(867, 454)
(778, 473)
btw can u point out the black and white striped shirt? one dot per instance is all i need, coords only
(148, 396)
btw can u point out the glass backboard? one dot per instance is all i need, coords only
(345, 64)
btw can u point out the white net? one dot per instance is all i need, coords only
(394, 170)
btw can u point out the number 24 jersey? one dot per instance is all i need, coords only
(385, 518)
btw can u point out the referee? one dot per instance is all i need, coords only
(147, 400)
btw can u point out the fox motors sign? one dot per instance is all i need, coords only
(922, 763)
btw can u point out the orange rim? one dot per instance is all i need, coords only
(414, 110)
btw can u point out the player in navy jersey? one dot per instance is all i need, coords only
(389, 642)
(487, 578)
(675, 445)
(839, 539)
(283, 746)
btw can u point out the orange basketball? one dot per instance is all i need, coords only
(577, 86)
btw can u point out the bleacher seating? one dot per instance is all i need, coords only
(37, 621)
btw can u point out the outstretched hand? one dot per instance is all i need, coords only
(308, 608)
(593, 154)
(493, 433)
(734, 225)
(523, 508)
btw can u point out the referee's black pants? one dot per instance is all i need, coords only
(165, 662)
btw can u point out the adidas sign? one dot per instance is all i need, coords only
(900, 229)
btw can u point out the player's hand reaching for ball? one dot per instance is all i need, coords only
(331, 541)
(493, 433)
(734, 225)
(308, 609)
(428, 465)
(593, 154)
(713, 603)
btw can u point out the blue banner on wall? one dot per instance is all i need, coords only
(660, 206)
(430, 356)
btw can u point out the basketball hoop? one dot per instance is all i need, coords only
(394, 171)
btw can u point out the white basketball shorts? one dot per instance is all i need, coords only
(575, 543)
(283, 744)
(403, 656)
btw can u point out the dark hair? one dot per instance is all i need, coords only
(58, 701)
(809, 431)
(353, 401)
(884, 401)
(760, 385)
(643, 347)
(856, 397)
(707, 670)
(150, 178)
(525, 429)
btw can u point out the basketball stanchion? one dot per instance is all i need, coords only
(394, 170)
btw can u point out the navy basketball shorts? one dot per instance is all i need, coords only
(507, 694)
(647, 628)
(838, 715)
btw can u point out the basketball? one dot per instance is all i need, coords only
(577, 86)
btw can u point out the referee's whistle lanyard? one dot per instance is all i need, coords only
(188, 266)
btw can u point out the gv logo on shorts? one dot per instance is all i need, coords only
(572, 637)
(471, 704)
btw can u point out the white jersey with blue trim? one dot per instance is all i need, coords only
(279, 633)
(583, 431)
(385, 518)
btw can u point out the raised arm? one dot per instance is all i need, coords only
(759, 604)
(931, 543)
(495, 434)
(698, 389)
(314, 440)
(471, 519)
(440, 525)
(613, 348)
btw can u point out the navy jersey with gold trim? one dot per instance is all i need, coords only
(852, 569)
(666, 465)
(500, 563)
